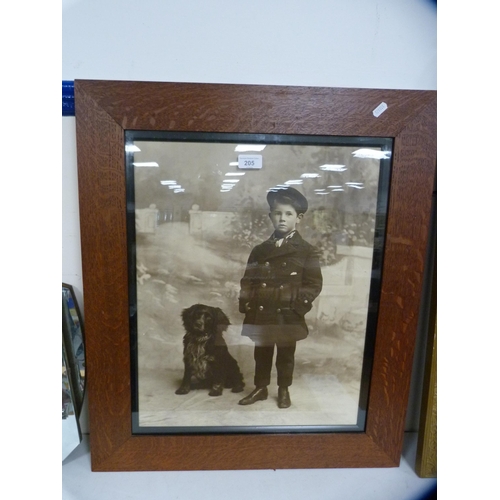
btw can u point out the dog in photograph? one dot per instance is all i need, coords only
(207, 361)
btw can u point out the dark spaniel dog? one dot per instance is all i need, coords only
(207, 361)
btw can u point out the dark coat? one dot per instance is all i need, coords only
(277, 290)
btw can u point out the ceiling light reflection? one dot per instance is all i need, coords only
(145, 164)
(249, 147)
(333, 168)
(371, 153)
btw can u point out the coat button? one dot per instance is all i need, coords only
(263, 285)
(281, 287)
(305, 301)
(261, 308)
(266, 264)
(278, 310)
(284, 264)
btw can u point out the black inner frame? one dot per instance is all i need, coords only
(385, 144)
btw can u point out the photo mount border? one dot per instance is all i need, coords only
(104, 110)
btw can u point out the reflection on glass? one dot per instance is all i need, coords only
(67, 398)
(73, 330)
(73, 371)
(71, 435)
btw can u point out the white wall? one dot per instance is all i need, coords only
(334, 43)
(337, 43)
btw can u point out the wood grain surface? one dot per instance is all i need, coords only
(104, 110)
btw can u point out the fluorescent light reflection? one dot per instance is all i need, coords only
(146, 164)
(233, 164)
(333, 168)
(356, 185)
(249, 147)
(167, 183)
(131, 148)
(294, 182)
(310, 176)
(234, 174)
(371, 153)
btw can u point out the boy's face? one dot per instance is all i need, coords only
(284, 218)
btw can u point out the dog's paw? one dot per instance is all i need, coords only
(182, 390)
(215, 391)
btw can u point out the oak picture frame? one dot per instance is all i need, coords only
(104, 111)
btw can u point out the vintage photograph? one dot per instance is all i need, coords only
(255, 267)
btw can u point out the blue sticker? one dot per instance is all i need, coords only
(68, 98)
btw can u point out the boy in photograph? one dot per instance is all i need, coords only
(281, 281)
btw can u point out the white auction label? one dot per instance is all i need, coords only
(249, 161)
(379, 109)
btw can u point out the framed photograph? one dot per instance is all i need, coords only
(197, 206)
(73, 370)
(426, 456)
(252, 262)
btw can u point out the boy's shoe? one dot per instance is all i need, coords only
(283, 397)
(258, 394)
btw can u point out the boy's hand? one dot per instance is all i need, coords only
(244, 307)
(302, 306)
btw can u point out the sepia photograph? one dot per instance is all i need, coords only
(254, 279)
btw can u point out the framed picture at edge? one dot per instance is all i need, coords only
(182, 217)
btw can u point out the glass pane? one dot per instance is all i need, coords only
(203, 210)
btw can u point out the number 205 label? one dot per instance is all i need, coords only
(249, 161)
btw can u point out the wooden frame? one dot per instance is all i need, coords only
(104, 110)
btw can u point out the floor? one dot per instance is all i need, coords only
(318, 396)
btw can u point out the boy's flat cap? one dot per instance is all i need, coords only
(300, 202)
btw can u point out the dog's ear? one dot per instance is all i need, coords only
(221, 318)
(186, 314)
(221, 324)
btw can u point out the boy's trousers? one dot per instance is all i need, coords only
(285, 362)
